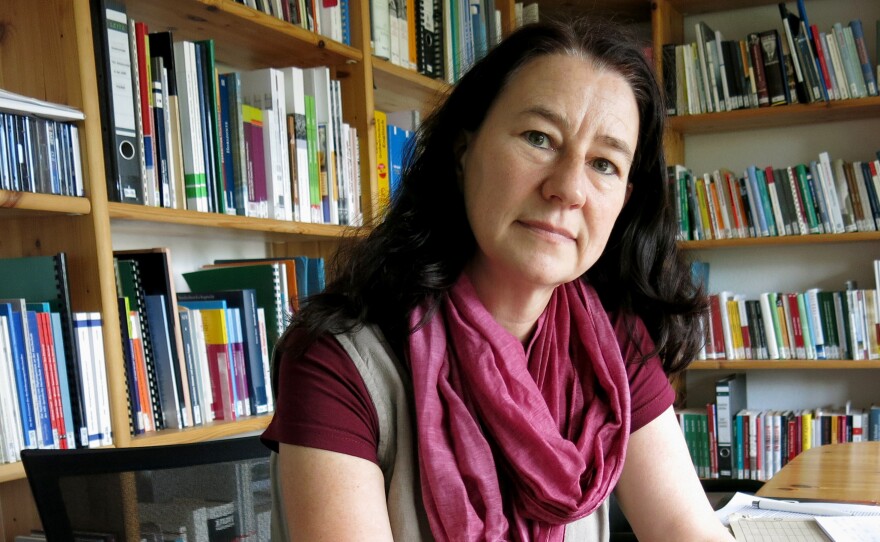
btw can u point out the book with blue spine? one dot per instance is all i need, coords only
(757, 200)
(13, 310)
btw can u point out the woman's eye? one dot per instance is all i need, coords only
(604, 166)
(538, 139)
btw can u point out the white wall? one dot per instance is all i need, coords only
(190, 247)
(751, 271)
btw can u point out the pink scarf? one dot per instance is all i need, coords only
(514, 445)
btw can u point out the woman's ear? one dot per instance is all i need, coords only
(629, 191)
(459, 149)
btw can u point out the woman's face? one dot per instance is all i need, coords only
(545, 175)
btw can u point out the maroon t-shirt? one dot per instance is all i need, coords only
(323, 402)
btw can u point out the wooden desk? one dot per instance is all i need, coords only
(836, 472)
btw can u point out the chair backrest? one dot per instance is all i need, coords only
(216, 490)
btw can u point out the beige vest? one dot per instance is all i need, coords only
(390, 388)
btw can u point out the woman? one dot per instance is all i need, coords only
(491, 361)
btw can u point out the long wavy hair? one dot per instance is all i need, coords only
(416, 253)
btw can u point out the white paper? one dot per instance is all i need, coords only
(851, 529)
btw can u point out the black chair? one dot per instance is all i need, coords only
(219, 487)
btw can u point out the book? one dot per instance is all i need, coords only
(194, 161)
(162, 51)
(177, 397)
(383, 171)
(294, 94)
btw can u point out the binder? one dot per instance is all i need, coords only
(122, 156)
(429, 48)
(44, 278)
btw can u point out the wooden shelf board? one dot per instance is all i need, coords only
(772, 117)
(20, 203)
(11, 471)
(219, 225)
(776, 364)
(641, 9)
(244, 37)
(399, 89)
(825, 238)
(211, 431)
(694, 7)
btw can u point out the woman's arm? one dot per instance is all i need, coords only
(659, 491)
(332, 496)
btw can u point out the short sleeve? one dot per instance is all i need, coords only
(323, 403)
(650, 391)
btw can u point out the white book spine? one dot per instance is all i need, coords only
(723, 298)
(10, 420)
(815, 314)
(84, 343)
(190, 125)
(106, 425)
(829, 188)
(769, 331)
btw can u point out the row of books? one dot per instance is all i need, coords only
(823, 196)
(53, 386)
(200, 356)
(765, 439)
(267, 143)
(392, 154)
(797, 64)
(439, 38)
(726, 439)
(40, 154)
(815, 324)
(330, 18)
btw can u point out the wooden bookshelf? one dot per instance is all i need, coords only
(779, 116)
(191, 221)
(400, 88)
(244, 37)
(784, 364)
(210, 431)
(785, 240)
(29, 203)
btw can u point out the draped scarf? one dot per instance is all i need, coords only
(514, 442)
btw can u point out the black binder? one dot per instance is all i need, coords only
(117, 95)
